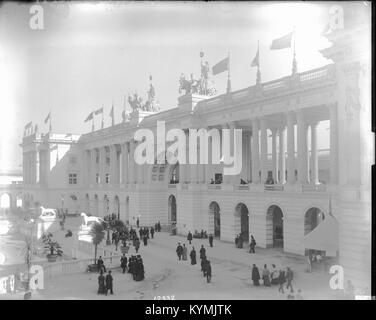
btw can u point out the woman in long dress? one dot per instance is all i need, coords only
(266, 276)
(255, 276)
(193, 256)
(185, 254)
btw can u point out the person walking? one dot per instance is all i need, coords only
(123, 262)
(281, 280)
(208, 271)
(289, 277)
(240, 241)
(109, 283)
(152, 232)
(179, 251)
(184, 253)
(101, 284)
(101, 266)
(145, 240)
(189, 237)
(211, 240)
(137, 244)
(202, 252)
(138, 222)
(236, 241)
(203, 266)
(193, 256)
(255, 275)
(252, 245)
(274, 275)
(266, 276)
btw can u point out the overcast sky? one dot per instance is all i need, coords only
(92, 54)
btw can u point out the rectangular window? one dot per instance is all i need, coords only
(73, 178)
(97, 178)
(107, 177)
(218, 178)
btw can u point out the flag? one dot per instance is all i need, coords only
(48, 117)
(89, 117)
(256, 61)
(112, 114)
(28, 125)
(221, 66)
(283, 42)
(99, 111)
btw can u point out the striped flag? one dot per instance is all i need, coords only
(221, 66)
(89, 117)
(282, 43)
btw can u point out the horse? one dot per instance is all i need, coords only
(89, 220)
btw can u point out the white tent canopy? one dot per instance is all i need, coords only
(324, 237)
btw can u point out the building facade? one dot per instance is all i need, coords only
(97, 173)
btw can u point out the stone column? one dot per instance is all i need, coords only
(255, 152)
(112, 164)
(132, 167)
(264, 150)
(290, 148)
(102, 165)
(126, 159)
(282, 161)
(333, 144)
(93, 166)
(315, 168)
(37, 166)
(302, 149)
(274, 155)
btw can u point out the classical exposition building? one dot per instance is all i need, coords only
(96, 172)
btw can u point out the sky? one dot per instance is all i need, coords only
(89, 55)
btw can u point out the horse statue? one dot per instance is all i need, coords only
(136, 102)
(87, 221)
(185, 85)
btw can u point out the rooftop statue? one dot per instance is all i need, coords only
(202, 86)
(135, 102)
(150, 105)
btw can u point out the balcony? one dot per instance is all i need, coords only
(172, 185)
(273, 187)
(313, 188)
(241, 187)
(214, 187)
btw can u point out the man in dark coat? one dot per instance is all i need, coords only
(252, 245)
(101, 266)
(137, 244)
(189, 237)
(202, 252)
(138, 223)
(179, 250)
(193, 256)
(281, 280)
(145, 240)
(236, 241)
(101, 284)
(255, 276)
(289, 277)
(211, 240)
(123, 262)
(240, 241)
(152, 232)
(109, 281)
(208, 271)
(203, 266)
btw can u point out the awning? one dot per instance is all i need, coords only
(324, 237)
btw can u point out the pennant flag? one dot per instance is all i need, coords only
(48, 117)
(112, 114)
(99, 111)
(256, 61)
(221, 66)
(89, 117)
(283, 42)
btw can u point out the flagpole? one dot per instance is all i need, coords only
(258, 77)
(294, 64)
(228, 75)
(50, 129)
(102, 116)
(92, 118)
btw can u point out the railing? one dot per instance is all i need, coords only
(241, 187)
(273, 187)
(214, 187)
(172, 186)
(313, 188)
(272, 85)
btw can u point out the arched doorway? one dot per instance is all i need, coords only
(19, 201)
(87, 203)
(242, 221)
(117, 207)
(5, 202)
(174, 174)
(274, 227)
(96, 205)
(312, 218)
(214, 220)
(172, 218)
